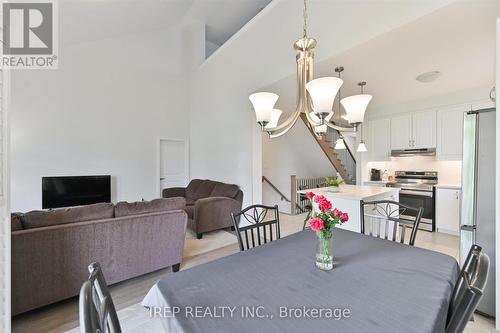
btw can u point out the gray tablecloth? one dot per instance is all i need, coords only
(386, 287)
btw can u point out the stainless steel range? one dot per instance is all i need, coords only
(417, 190)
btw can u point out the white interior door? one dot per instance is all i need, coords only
(174, 163)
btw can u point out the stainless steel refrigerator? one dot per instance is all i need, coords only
(478, 194)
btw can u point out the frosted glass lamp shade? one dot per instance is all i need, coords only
(355, 107)
(263, 104)
(316, 119)
(340, 144)
(362, 147)
(323, 91)
(275, 117)
(321, 129)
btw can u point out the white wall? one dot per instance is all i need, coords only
(210, 48)
(497, 180)
(101, 112)
(449, 172)
(296, 153)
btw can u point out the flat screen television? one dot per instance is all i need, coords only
(75, 191)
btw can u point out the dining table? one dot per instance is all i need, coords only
(376, 285)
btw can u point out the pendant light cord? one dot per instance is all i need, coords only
(305, 18)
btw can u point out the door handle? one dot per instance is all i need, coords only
(466, 227)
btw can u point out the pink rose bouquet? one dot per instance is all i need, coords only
(322, 221)
(327, 218)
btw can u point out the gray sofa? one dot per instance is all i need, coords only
(209, 204)
(52, 249)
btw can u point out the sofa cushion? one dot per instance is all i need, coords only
(199, 189)
(192, 187)
(44, 218)
(15, 222)
(190, 211)
(146, 207)
(224, 190)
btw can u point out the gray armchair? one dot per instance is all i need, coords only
(209, 204)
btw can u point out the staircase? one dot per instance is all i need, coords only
(342, 160)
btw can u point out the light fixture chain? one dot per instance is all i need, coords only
(305, 18)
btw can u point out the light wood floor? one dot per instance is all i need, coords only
(63, 316)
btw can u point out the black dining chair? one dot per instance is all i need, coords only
(468, 290)
(389, 220)
(254, 226)
(97, 311)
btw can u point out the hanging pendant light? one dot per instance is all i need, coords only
(315, 97)
(355, 106)
(275, 117)
(317, 120)
(323, 92)
(320, 130)
(361, 146)
(340, 144)
(263, 104)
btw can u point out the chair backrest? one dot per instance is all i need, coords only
(389, 220)
(254, 226)
(468, 290)
(97, 311)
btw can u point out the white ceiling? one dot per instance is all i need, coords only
(87, 20)
(223, 18)
(457, 40)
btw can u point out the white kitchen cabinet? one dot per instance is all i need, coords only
(401, 128)
(448, 210)
(450, 126)
(379, 142)
(413, 130)
(424, 129)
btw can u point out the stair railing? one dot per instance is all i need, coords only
(302, 203)
(283, 197)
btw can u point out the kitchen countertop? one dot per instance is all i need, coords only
(449, 186)
(381, 182)
(353, 192)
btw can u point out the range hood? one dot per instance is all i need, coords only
(414, 152)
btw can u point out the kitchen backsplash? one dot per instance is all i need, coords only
(449, 172)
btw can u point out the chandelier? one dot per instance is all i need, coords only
(315, 98)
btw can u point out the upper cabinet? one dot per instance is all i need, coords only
(379, 139)
(424, 129)
(401, 137)
(450, 124)
(413, 130)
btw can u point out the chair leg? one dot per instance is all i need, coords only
(199, 236)
(176, 267)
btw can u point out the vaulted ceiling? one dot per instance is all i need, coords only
(457, 39)
(87, 20)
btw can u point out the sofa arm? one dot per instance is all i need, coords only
(214, 213)
(174, 192)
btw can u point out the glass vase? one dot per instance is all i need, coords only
(324, 260)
